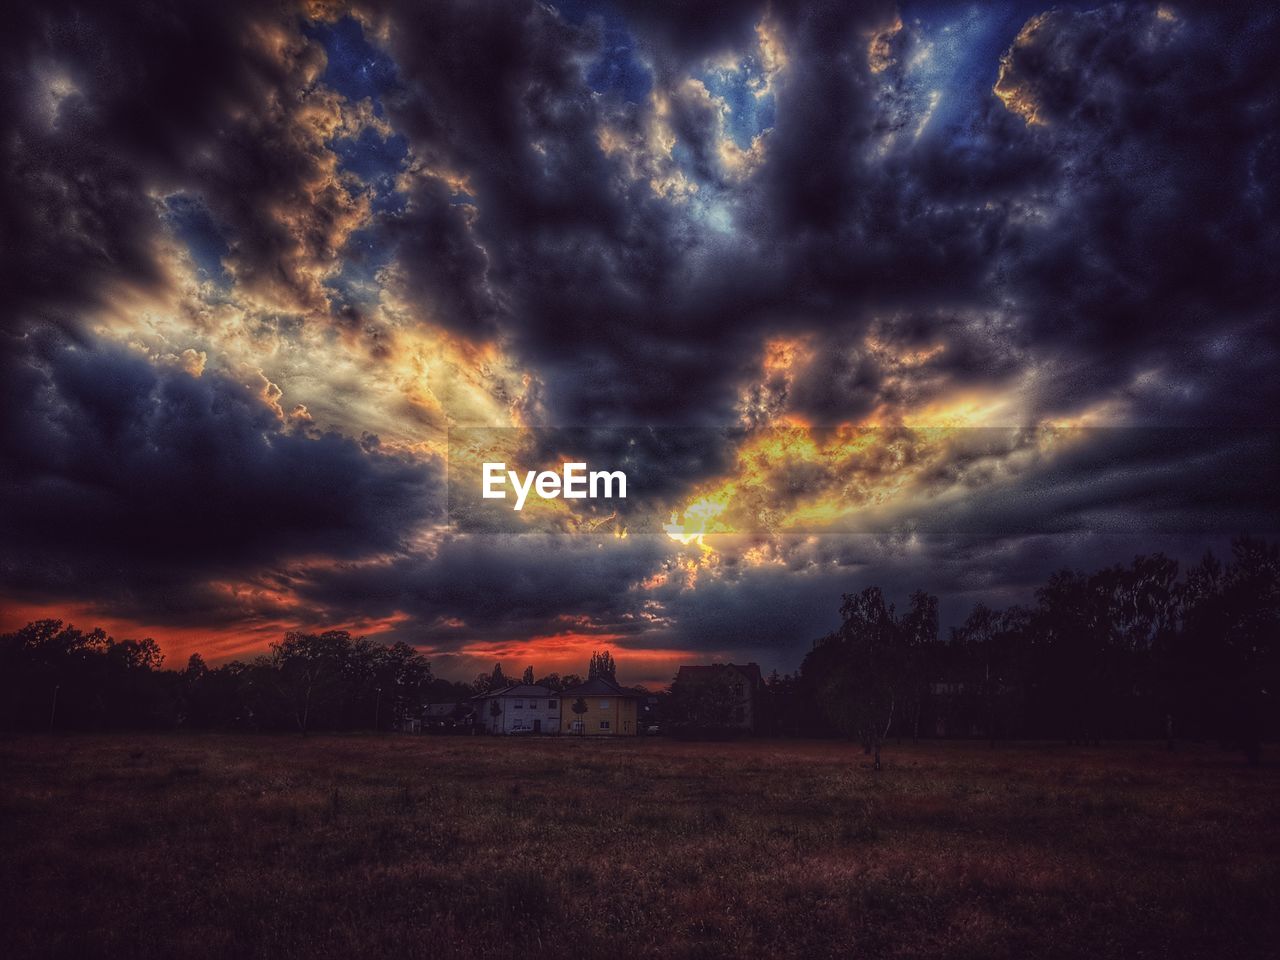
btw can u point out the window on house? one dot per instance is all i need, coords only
(553, 704)
(604, 724)
(519, 704)
(737, 689)
(604, 704)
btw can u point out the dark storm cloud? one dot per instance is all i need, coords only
(1129, 480)
(773, 613)
(497, 586)
(92, 105)
(133, 480)
(1165, 254)
(664, 316)
(945, 351)
(689, 31)
(442, 264)
(127, 483)
(108, 108)
(1132, 227)
(562, 249)
(1122, 247)
(583, 255)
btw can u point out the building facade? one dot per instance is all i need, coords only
(524, 708)
(611, 711)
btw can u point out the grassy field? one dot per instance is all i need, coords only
(435, 847)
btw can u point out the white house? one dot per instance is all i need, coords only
(525, 708)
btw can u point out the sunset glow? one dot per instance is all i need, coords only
(868, 294)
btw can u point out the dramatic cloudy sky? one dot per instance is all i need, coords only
(921, 295)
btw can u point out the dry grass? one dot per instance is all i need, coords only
(413, 846)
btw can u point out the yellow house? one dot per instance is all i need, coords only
(611, 710)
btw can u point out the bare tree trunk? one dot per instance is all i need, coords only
(306, 711)
(877, 738)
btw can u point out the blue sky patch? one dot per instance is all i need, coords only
(356, 68)
(377, 162)
(194, 226)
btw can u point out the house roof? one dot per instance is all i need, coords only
(695, 672)
(599, 687)
(519, 690)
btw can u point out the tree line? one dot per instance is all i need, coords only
(54, 676)
(1129, 651)
(601, 665)
(1142, 650)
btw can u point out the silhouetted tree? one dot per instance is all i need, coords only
(308, 668)
(1128, 650)
(494, 680)
(918, 633)
(602, 666)
(859, 672)
(786, 704)
(401, 673)
(985, 672)
(705, 703)
(55, 676)
(1230, 656)
(306, 681)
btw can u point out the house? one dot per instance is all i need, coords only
(525, 708)
(742, 685)
(611, 709)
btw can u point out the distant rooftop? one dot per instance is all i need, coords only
(600, 687)
(520, 690)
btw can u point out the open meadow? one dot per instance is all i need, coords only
(412, 846)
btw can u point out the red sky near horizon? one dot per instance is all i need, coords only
(562, 653)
